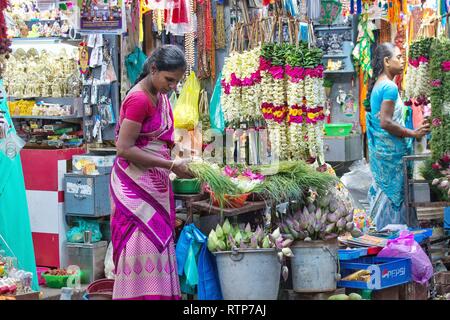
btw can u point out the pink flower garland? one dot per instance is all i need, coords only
(296, 74)
(416, 62)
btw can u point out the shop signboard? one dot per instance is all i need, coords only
(101, 16)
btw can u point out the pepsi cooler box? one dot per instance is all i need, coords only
(384, 272)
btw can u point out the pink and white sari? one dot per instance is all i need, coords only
(143, 218)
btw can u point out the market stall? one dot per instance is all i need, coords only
(271, 112)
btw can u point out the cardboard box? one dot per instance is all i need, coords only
(94, 163)
(392, 293)
(292, 295)
(442, 282)
(414, 291)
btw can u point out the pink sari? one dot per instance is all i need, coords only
(143, 218)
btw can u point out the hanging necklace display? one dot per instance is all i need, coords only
(4, 126)
(83, 58)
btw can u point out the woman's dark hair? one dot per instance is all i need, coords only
(165, 58)
(382, 51)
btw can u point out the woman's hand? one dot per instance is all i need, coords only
(181, 169)
(422, 130)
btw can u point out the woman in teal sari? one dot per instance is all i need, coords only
(388, 138)
(15, 227)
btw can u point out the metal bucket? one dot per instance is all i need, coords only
(314, 266)
(249, 274)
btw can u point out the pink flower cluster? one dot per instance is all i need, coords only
(436, 122)
(253, 176)
(234, 173)
(297, 74)
(254, 78)
(446, 66)
(436, 83)
(416, 62)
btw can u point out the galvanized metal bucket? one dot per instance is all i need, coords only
(249, 274)
(314, 266)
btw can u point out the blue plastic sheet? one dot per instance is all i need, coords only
(215, 108)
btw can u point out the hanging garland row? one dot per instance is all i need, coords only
(285, 83)
(418, 82)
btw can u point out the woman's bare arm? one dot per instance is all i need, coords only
(388, 124)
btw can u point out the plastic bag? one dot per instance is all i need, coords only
(215, 108)
(406, 247)
(173, 99)
(186, 109)
(109, 263)
(358, 180)
(76, 234)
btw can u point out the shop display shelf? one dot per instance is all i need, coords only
(331, 27)
(44, 40)
(334, 56)
(339, 71)
(48, 117)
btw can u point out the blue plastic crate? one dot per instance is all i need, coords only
(420, 237)
(447, 218)
(385, 272)
(348, 254)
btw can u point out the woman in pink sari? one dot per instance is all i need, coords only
(143, 217)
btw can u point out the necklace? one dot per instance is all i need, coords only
(153, 97)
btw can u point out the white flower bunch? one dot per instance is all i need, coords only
(295, 92)
(410, 82)
(314, 91)
(278, 139)
(296, 141)
(231, 64)
(423, 86)
(266, 88)
(279, 92)
(231, 104)
(417, 82)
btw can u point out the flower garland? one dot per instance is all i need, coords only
(241, 86)
(418, 81)
(284, 82)
(440, 99)
(273, 102)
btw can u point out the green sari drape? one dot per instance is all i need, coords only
(14, 219)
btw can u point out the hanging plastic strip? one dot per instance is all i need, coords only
(10, 142)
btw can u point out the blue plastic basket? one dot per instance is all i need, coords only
(422, 236)
(348, 254)
(385, 272)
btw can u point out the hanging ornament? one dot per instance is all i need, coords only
(83, 58)
(189, 42)
(220, 27)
